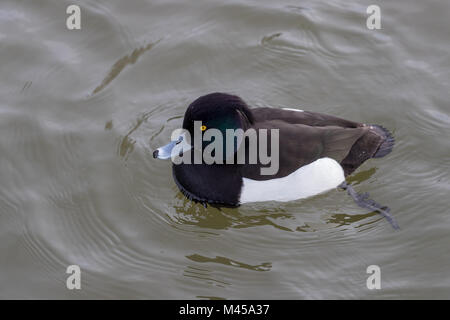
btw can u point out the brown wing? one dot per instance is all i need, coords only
(306, 117)
(301, 144)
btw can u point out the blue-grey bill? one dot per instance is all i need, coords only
(166, 151)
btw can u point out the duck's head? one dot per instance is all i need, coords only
(217, 111)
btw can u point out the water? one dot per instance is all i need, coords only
(81, 112)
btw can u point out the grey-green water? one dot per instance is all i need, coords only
(82, 110)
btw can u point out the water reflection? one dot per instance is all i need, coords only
(190, 213)
(342, 219)
(109, 125)
(307, 217)
(361, 176)
(265, 266)
(127, 143)
(122, 63)
(203, 274)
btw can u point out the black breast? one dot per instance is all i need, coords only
(213, 184)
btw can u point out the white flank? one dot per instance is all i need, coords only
(290, 109)
(319, 176)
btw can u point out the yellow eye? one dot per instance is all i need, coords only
(203, 128)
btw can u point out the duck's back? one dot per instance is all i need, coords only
(296, 116)
(306, 136)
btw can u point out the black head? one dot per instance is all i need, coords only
(220, 111)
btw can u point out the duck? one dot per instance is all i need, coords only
(315, 152)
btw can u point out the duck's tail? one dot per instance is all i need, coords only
(363, 201)
(387, 145)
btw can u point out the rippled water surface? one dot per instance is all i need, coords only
(81, 112)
